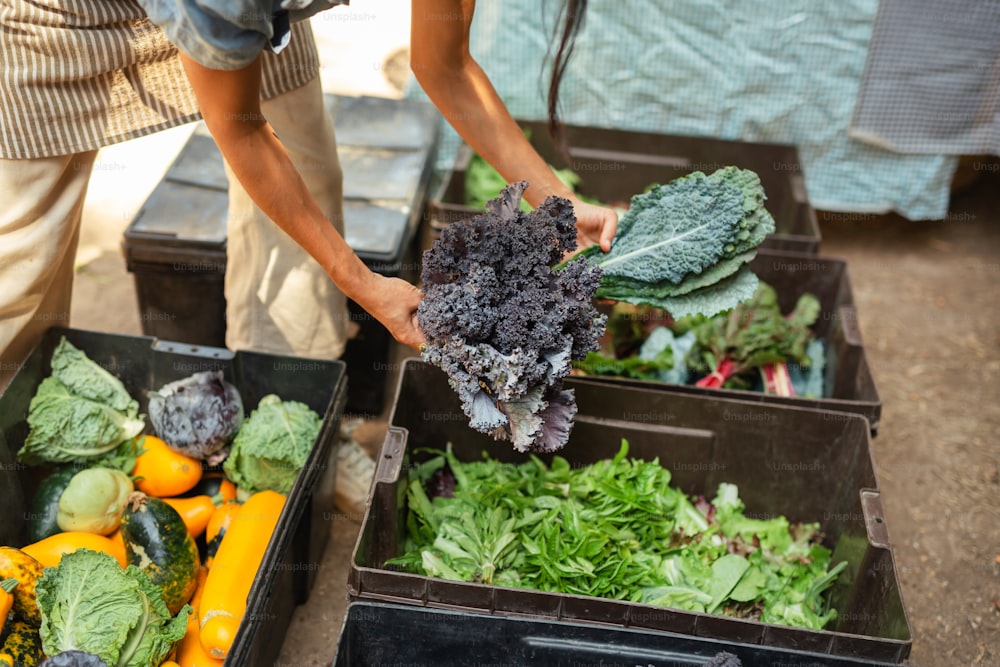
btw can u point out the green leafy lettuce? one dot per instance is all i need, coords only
(272, 445)
(80, 413)
(89, 603)
(613, 529)
(683, 246)
(483, 183)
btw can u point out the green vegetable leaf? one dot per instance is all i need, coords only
(683, 246)
(272, 445)
(87, 379)
(67, 428)
(751, 585)
(726, 573)
(89, 603)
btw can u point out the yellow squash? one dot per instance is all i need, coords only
(234, 568)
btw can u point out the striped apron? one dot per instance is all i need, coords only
(76, 75)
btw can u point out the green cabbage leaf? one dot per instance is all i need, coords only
(78, 414)
(90, 603)
(272, 445)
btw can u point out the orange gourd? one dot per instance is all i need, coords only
(7, 587)
(118, 540)
(163, 473)
(195, 511)
(227, 586)
(17, 564)
(50, 551)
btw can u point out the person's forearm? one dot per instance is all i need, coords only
(267, 173)
(263, 167)
(471, 105)
(463, 93)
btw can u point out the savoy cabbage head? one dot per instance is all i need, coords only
(90, 603)
(272, 445)
(78, 414)
(504, 325)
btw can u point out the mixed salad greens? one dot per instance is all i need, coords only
(754, 346)
(614, 529)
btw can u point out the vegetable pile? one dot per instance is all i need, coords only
(753, 346)
(613, 529)
(504, 325)
(505, 318)
(141, 551)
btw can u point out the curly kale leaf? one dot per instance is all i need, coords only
(684, 246)
(504, 325)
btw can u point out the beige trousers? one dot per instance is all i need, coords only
(42, 201)
(278, 299)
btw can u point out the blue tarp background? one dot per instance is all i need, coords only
(785, 72)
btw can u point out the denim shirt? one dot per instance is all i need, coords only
(230, 34)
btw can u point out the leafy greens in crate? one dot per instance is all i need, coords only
(614, 529)
(752, 346)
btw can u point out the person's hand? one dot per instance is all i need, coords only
(594, 225)
(393, 302)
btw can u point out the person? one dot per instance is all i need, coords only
(75, 79)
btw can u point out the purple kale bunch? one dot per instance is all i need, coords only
(504, 325)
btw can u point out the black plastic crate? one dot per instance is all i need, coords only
(176, 246)
(291, 562)
(376, 634)
(850, 385)
(805, 464)
(614, 165)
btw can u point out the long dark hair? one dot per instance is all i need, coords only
(568, 24)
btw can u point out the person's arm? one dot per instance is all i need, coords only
(458, 87)
(229, 101)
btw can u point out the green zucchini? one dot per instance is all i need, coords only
(22, 646)
(45, 504)
(157, 541)
(211, 484)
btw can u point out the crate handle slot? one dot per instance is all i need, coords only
(629, 651)
(849, 320)
(203, 351)
(871, 506)
(799, 193)
(390, 459)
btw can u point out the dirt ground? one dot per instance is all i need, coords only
(927, 304)
(926, 294)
